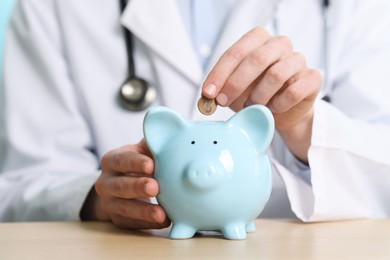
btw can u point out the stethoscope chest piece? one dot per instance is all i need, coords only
(136, 94)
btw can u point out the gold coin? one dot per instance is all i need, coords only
(207, 106)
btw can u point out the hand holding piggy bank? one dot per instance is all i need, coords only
(212, 175)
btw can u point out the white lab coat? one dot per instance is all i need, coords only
(65, 61)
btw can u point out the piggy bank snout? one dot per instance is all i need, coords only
(204, 175)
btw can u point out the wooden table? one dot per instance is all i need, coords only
(274, 239)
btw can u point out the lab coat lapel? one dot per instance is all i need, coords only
(159, 25)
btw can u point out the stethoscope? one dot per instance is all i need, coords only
(136, 94)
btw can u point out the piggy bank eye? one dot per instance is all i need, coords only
(193, 142)
(215, 142)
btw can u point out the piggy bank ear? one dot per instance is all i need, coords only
(257, 123)
(160, 125)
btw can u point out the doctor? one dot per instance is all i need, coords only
(61, 123)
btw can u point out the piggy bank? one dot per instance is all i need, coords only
(212, 175)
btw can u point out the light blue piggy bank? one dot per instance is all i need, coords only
(212, 175)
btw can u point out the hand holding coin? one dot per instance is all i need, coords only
(207, 106)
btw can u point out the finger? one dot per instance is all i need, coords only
(135, 209)
(123, 222)
(128, 187)
(231, 59)
(304, 87)
(143, 148)
(124, 161)
(275, 77)
(252, 67)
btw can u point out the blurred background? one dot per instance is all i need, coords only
(6, 7)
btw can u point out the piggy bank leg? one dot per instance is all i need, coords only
(250, 227)
(182, 231)
(234, 231)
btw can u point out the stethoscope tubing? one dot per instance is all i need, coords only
(129, 44)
